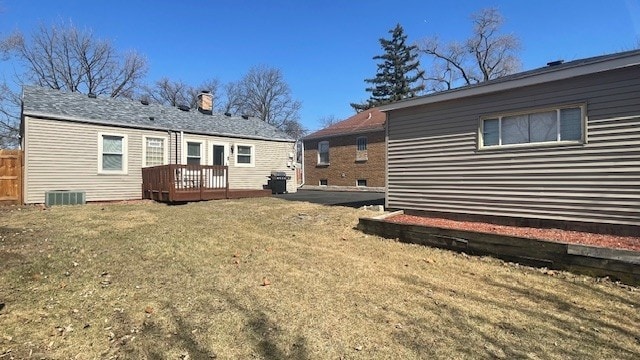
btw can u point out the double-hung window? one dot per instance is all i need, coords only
(194, 153)
(112, 154)
(245, 155)
(547, 126)
(323, 153)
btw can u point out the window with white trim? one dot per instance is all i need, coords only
(194, 153)
(112, 153)
(361, 183)
(323, 153)
(155, 151)
(324, 182)
(245, 155)
(548, 126)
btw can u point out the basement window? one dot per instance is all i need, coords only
(550, 126)
(361, 183)
(324, 182)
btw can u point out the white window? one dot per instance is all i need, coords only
(323, 153)
(361, 183)
(245, 155)
(155, 151)
(112, 154)
(324, 182)
(194, 153)
(549, 126)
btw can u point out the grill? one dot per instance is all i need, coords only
(278, 182)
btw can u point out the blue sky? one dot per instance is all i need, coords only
(324, 48)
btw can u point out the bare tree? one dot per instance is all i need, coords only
(328, 120)
(169, 92)
(233, 98)
(486, 55)
(177, 92)
(66, 58)
(263, 93)
(9, 119)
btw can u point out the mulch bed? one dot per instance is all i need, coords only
(557, 235)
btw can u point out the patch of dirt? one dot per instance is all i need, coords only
(558, 235)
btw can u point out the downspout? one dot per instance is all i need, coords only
(182, 150)
(169, 152)
(302, 162)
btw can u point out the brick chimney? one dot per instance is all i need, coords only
(205, 102)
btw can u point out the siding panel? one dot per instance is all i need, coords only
(434, 163)
(70, 162)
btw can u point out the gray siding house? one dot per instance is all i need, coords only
(76, 142)
(556, 147)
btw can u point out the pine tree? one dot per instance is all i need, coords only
(398, 72)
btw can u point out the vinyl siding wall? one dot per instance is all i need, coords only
(62, 155)
(268, 156)
(435, 164)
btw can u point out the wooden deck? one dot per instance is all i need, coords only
(184, 183)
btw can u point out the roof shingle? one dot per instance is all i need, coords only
(368, 120)
(73, 106)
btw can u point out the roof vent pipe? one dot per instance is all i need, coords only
(92, 95)
(183, 107)
(246, 117)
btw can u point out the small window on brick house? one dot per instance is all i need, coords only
(324, 182)
(323, 153)
(361, 148)
(361, 183)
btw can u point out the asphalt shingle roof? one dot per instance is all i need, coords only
(73, 106)
(364, 121)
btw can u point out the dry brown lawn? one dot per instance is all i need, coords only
(270, 279)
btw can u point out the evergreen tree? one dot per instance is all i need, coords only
(398, 72)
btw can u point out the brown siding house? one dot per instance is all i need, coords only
(557, 146)
(350, 154)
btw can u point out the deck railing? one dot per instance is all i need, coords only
(175, 183)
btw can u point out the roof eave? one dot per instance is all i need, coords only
(36, 114)
(364, 131)
(533, 79)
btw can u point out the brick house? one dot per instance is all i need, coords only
(350, 154)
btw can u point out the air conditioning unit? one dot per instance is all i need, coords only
(64, 197)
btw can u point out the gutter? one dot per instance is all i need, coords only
(137, 126)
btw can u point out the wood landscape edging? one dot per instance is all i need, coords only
(622, 265)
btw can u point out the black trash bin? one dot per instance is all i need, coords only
(278, 182)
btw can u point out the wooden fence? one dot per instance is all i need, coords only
(11, 177)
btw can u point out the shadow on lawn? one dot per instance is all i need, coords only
(494, 334)
(268, 346)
